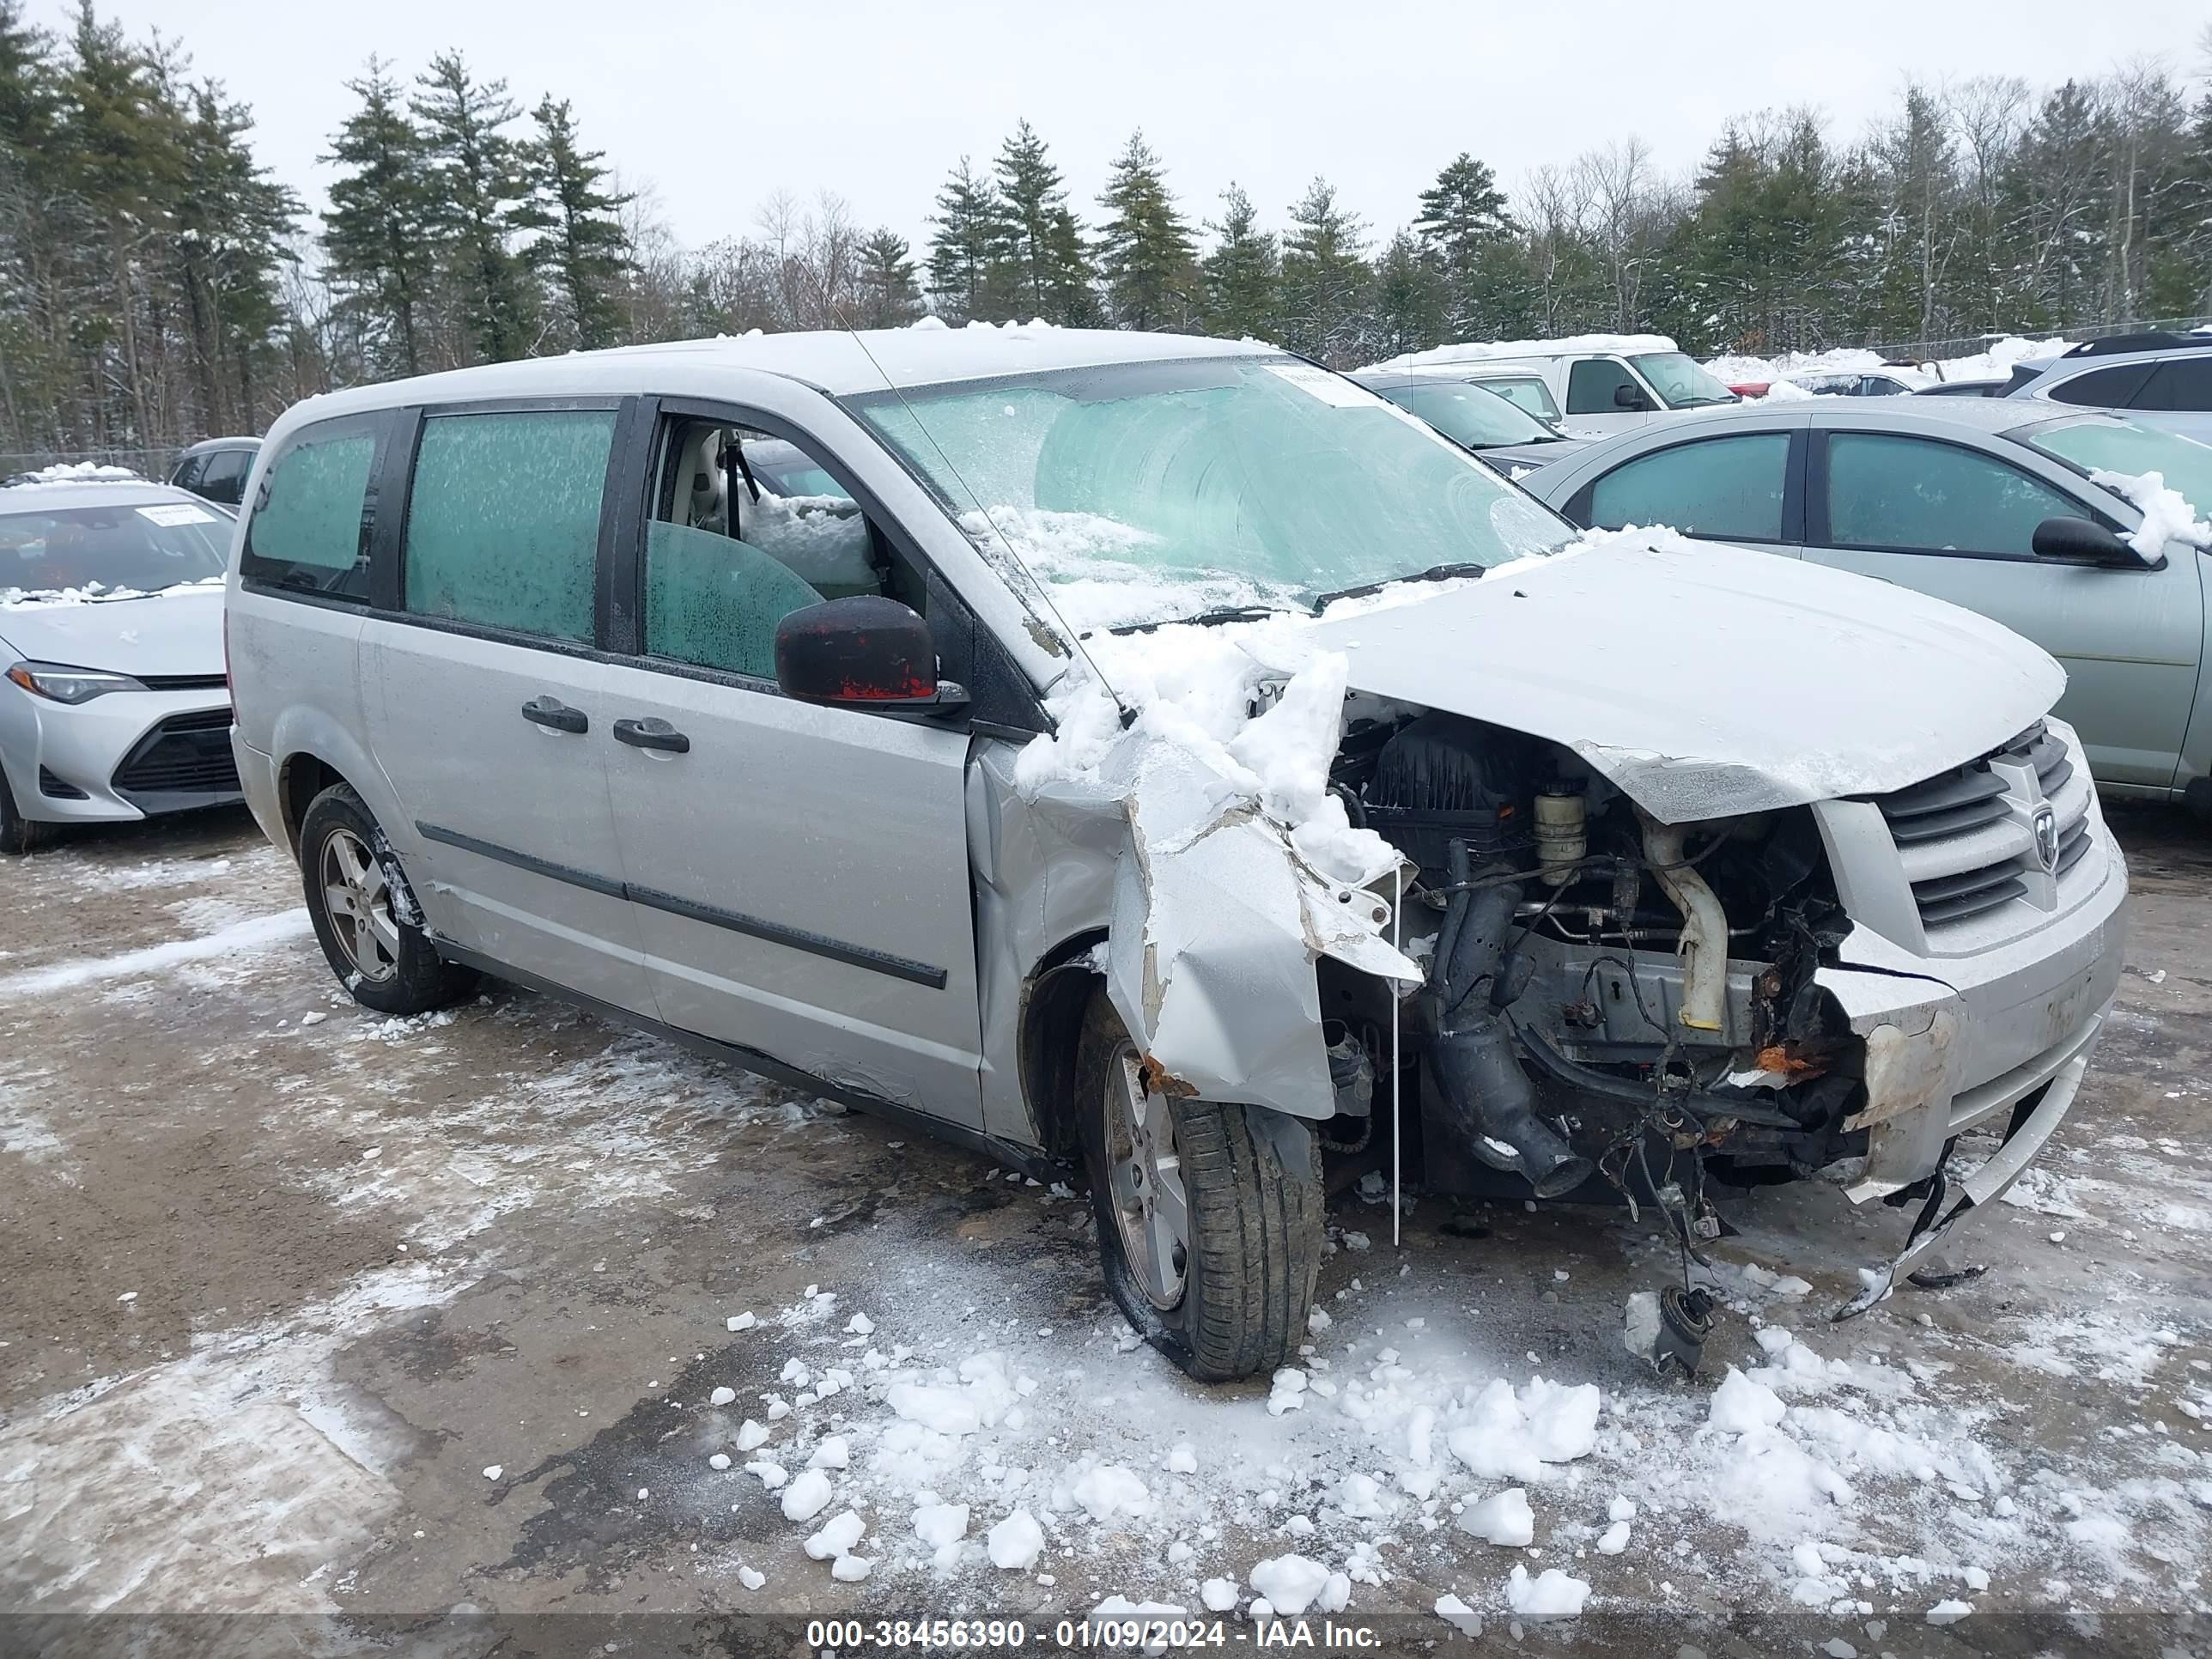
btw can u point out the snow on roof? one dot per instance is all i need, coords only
(1571, 345)
(842, 363)
(49, 497)
(76, 472)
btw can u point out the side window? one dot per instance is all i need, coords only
(1593, 383)
(306, 532)
(188, 475)
(225, 478)
(2103, 388)
(747, 528)
(1723, 487)
(1531, 394)
(1923, 496)
(503, 518)
(2180, 383)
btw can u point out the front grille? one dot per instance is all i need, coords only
(186, 754)
(181, 682)
(1964, 849)
(58, 788)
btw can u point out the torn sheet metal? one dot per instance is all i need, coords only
(1218, 924)
(1910, 1026)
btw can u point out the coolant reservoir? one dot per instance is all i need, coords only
(1562, 836)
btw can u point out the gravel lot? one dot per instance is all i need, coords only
(313, 1313)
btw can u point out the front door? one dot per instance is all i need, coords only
(1596, 389)
(486, 710)
(1956, 522)
(798, 874)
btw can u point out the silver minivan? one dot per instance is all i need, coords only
(1164, 756)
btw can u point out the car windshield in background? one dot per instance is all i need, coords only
(121, 551)
(1470, 414)
(2122, 447)
(1682, 383)
(1150, 491)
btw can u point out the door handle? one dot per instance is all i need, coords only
(552, 712)
(651, 734)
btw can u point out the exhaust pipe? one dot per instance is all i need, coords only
(1487, 1095)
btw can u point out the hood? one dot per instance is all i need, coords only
(178, 632)
(1702, 680)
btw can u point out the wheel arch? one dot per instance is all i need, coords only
(1054, 997)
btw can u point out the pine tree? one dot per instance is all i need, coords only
(38, 229)
(477, 188)
(581, 249)
(1410, 298)
(964, 245)
(890, 298)
(1325, 280)
(1243, 274)
(1047, 268)
(1462, 225)
(1146, 251)
(376, 240)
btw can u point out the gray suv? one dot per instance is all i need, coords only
(1164, 756)
(2162, 379)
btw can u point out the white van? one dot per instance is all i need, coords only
(1605, 383)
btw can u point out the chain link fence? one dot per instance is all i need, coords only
(1965, 345)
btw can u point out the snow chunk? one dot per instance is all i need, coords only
(834, 1453)
(946, 1411)
(838, 1535)
(751, 1435)
(1183, 1458)
(1359, 1497)
(719, 1462)
(1016, 1542)
(1502, 1518)
(860, 1325)
(1613, 1539)
(1460, 1616)
(807, 1496)
(1552, 1595)
(849, 1569)
(751, 1578)
(2167, 516)
(771, 1474)
(1947, 1612)
(1514, 1436)
(1289, 1392)
(722, 1397)
(1621, 1510)
(1219, 1594)
(1108, 1490)
(744, 1322)
(940, 1524)
(1291, 1584)
(493, 1471)
(1741, 1406)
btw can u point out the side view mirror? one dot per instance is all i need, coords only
(1629, 396)
(862, 652)
(2083, 542)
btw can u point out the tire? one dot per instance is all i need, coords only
(18, 834)
(348, 873)
(1251, 1183)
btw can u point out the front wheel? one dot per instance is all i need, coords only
(18, 834)
(1209, 1215)
(363, 920)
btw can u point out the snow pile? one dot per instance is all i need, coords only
(1293, 1583)
(1994, 363)
(1481, 351)
(100, 594)
(2167, 516)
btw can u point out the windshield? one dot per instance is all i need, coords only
(1681, 382)
(1149, 491)
(2122, 447)
(103, 549)
(1470, 413)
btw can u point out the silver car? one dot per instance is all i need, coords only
(1161, 755)
(2162, 379)
(111, 638)
(1987, 502)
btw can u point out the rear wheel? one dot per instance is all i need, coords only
(356, 898)
(1209, 1215)
(18, 834)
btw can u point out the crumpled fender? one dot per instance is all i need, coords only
(1218, 924)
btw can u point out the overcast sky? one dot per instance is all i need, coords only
(718, 105)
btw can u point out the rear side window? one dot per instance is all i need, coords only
(2103, 388)
(225, 478)
(1594, 384)
(188, 475)
(1721, 487)
(503, 519)
(2185, 383)
(307, 531)
(1921, 496)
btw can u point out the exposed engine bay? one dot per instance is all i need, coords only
(1609, 1000)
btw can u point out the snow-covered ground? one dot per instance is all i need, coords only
(1993, 363)
(321, 1312)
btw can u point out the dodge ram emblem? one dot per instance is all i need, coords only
(2046, 840)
